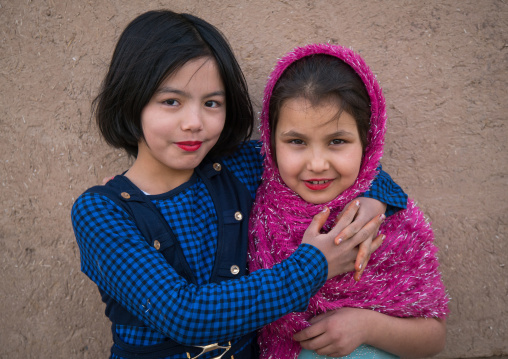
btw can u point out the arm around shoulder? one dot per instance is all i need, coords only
(385, 190)
(117, 258)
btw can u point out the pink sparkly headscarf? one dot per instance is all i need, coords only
(402, 278)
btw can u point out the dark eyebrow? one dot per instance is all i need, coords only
(341, 133)
(216, 93)
(292, 133)
(166, 89)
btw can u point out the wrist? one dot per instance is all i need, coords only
(371, 320)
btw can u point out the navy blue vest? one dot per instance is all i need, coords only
(232, 203)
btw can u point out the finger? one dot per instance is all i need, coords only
(358, 273)
(318, 221)
(309, 333)
(370, 230)
(327, 351)
(364, 251)
(347, 233)
(362, 261)
(376, 243)
(360, 268)
(106, 180)
(335, 355)
(361, 220)
(335, 350)
(320, 317)
(344, 219)
(321, 344)
(348, 213)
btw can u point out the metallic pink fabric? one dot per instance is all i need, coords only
(402, 278)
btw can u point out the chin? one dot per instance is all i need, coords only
(315, 199)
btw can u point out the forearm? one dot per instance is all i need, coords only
(237, 307)
(406, 337)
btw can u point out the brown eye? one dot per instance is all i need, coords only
(171, 102)
(212, 104)
(337, 141)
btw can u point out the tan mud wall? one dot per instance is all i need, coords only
(443, 66)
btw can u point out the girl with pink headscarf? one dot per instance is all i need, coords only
(323, 125)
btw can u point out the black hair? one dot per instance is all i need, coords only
(153, 46)
(318, 78)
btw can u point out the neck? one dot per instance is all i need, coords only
(154, 177)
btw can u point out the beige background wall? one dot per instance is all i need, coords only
(443, 66)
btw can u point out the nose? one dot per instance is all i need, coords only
(317, 162)
(192, 120)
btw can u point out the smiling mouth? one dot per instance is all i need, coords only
(317, 185)
(189, 146)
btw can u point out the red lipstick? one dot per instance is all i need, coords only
(189, 146)
(318, 184)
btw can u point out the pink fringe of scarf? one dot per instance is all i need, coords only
(402, 278)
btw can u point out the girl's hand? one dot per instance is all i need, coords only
(336, 333)
(340, 258)
(340, 332)
(106, 180)
(364, 228)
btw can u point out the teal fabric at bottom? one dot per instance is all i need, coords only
(363, 352)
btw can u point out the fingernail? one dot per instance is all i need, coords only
(325, 209)
(360, 266)
(383, 238)
(382, 217)
(357, 203)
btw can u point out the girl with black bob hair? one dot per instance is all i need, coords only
(166, 241)
(151, 48)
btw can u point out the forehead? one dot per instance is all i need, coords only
(300, 114)
(202, 72)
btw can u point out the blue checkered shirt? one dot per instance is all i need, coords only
(117, 258)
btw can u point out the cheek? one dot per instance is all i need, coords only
(154, 133)
(146, 130)
(217, 124)
(150, 123)
(355, 162)
(288, 165)
(288, 177)
(221, 124)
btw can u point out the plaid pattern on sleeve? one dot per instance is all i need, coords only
(116, 257)
(385, 190)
